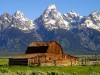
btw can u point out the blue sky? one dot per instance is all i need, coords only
(34, 8)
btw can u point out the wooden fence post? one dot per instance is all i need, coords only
(38, 60)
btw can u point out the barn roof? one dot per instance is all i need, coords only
(26, 56)
(36, 49)
(39, 47)
(39, 44)
(70, 56)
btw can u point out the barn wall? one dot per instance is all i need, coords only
(70, 59)
(54, 47)
(51, 59)
(53, 56)
(45, 58)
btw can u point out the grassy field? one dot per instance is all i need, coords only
(51, 70)
(3, 61)
(5, 69)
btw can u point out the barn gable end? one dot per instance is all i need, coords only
(44, 47)
(54, 47)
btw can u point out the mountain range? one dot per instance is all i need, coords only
(76, 34)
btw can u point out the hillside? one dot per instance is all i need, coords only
(76, 34)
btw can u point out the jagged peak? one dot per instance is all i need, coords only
(73, 13)
(5, 14)
(51, 11)
(18, 14)
(52, 6)
(95, 12)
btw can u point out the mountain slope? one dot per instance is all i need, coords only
(76, 34)
(53, 19)
(15, 40)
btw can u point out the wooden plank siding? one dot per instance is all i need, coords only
(54, 47)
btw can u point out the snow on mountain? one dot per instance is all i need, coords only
(52, 6)
(72, 31)
(18, 20)
(51, 19)
(95, 16)
(5, 21)
(72, 17)
(21, 22)
(92, 21)
(54, 19)
(77, 21)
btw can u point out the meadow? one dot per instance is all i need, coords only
(6, 69)
(50, 70)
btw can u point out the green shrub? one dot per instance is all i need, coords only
(55, 73)
(95, 73)
(20, 73)
(39, 73)
(4, 70)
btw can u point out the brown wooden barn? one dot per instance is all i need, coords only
(43, 53)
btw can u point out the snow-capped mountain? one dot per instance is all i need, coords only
(18, 20)
(71, 30)
(21, 22)
(5, 21)
(72, 16)
(77, 21)
(53, 19)
(92, 21)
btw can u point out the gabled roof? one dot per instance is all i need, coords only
(39, 44)
(41, 47)
(24, 56)
(36, 49)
